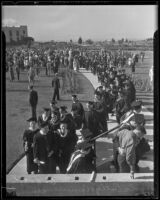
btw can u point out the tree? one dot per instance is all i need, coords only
(89, 41)
(80, 40)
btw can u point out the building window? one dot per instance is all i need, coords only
(24, 32)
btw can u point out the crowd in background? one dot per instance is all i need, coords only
(55, 142)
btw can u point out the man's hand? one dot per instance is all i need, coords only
(50, 153)
(121, 151)
(36, 161)
(132, 174)
(26, 147)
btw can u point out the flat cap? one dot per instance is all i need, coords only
(74, 95)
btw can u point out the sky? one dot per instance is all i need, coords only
(62, 23)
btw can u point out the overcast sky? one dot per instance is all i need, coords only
(95, 22)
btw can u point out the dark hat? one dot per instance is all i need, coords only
(86, 133)
(136, 104)
(74, 95)
(43, 125)
(90, 102)
(63, 107)
(100, 86)
(97, 93)
(64, 120)
(31, 119)
(46, 109)
(53, 102)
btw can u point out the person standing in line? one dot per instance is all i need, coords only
(66, 142)
(77, 111)
(99, 108)
(28, 146)
(31, 74)
(44, 117)
(56, 87)
(11, 71)
(17, 68)
(33, 101)
(41, 149)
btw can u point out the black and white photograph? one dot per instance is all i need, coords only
(79, 99)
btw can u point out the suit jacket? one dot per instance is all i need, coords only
(56, 83)
(33, 98)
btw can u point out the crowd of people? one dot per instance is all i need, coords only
(35, 59)
(55, 142)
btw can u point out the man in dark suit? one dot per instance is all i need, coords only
(28, 145)
(41, 149)
(77, 111)
(56, 86)
(33, 101)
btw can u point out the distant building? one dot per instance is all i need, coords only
(15, 33)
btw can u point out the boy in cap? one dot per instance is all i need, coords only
(28, 145)
(127, 142)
